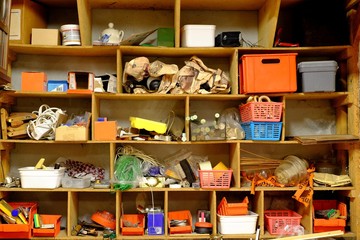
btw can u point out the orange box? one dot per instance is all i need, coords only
(180, 215)
(105, 131)
(19, 231)
(48, 219)
(268, 73)
(324, 225)
(133, 224)
(33, 82)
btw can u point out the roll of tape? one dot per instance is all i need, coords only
(205, 165)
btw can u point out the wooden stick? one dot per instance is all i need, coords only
(315, 235)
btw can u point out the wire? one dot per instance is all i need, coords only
(43, 127)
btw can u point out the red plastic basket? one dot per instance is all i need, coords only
(261, 112)
(281, 221)
(215, 178)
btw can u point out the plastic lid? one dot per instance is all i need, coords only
(198, 26)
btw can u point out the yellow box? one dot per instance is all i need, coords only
(33, 81)
(72, 133)
(43, 36)
(25, 15)
(106, 130)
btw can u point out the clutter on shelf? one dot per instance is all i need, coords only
(76, 128)
(225, 125)
(141, 76)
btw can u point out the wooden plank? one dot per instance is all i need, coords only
(267, 18)
(84, 14)
(315, 235)
(4, 116)
(331, 138)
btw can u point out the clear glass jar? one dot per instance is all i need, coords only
(291, 171)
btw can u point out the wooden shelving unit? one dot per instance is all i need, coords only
(262, 18)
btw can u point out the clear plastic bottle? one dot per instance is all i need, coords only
(291, 171)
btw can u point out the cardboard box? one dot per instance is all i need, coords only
(72, 133)
(33, 81)
(25, 15)
(81, 82)
(106, 130)
(43, 36)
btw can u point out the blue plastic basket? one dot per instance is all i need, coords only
(270, 131)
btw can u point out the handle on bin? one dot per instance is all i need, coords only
(270, 60)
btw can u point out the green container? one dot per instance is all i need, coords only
(166, 37)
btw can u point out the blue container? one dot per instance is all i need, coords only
(270, 131)
(57, 86)
(155, 223)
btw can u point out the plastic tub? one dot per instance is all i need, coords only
(51, 232)
(19, 231)
(268, 73)
(69, 182)
(245, 224)
(133, 224)
(317, 76)
(198, 35)
(41, 178)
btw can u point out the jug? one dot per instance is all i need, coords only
(111, 35)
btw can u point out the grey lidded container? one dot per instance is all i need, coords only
(317, 76)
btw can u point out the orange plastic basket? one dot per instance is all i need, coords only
(324, 225)
(281, 221)
(233, 209)
(261, 112)
(19, 231)
(180, 215)
(133, 219)
(48, 219)
(215, 178)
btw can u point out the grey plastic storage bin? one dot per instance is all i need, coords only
(317, 76)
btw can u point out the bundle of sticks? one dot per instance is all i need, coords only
(258, 164)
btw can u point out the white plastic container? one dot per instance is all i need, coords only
(317, 76)
(70, 35)
(70, 182)
(41, 178)
(198, 35)
(244, 224)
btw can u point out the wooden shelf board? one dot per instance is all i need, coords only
(94, 51)
(81, 51)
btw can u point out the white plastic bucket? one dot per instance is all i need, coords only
(70, 35)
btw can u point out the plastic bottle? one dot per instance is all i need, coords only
(291, 171)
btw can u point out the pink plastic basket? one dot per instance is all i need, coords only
(261, 112)
(281, 221)
(215, 178)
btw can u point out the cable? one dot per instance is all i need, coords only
(43, 127)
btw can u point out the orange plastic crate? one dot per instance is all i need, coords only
(261, 112)
(180, 215)
(233, 209)
(268, 73)
(215, 178)
(133, 219)
(19, 231)
(324, 225)
(281, 221)
(48, 219)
